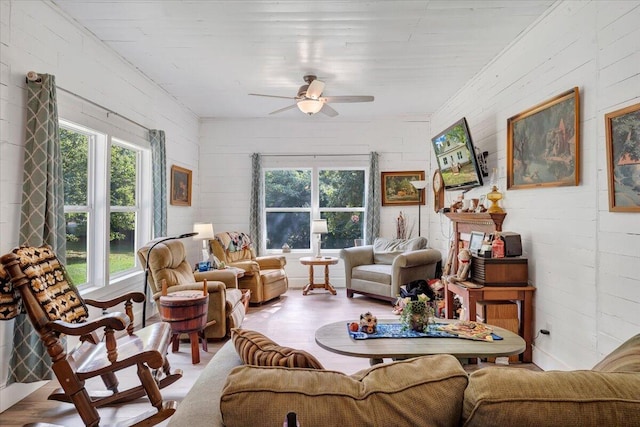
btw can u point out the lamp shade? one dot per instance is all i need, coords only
(204, 230)
(319, 226)
(419, 185)
(310, 106)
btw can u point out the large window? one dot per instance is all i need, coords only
(295, 196)
(102, 191)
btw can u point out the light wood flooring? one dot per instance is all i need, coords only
(290, 321)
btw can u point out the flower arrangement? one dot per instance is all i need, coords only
(417, 314)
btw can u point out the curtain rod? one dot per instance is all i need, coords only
(34, 77)
(314, 155)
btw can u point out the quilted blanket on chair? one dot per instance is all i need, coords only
(234, 242)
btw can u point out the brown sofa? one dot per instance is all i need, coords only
(264, 275)
(429, 390)
(168, 261)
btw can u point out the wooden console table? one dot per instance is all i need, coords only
(475, 293)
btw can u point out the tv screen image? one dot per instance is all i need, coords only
(456, 157)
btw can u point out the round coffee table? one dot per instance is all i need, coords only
(311, 262)
(335, 338)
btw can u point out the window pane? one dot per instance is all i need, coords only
(122, 241)
(341, 188)
(76, 224)
(287, 188)
(75, 165)
(290, 227)
(123, 176)
(343, 228)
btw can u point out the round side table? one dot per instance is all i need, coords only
(313, 261)
(186, 312)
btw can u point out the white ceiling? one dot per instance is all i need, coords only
(411, 55)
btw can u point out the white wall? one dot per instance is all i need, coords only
(34, 36)
(582, 258)
(225, 165)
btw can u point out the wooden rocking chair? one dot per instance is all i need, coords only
(55, 307)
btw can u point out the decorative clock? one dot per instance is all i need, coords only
(438, 191)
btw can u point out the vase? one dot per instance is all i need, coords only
(417, 322)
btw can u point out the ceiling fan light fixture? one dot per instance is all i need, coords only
(310, 106)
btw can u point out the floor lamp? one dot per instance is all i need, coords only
(146, 271)
(420, 186)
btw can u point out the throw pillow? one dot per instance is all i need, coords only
(424, 391)
(256, 349)
(385, 250)
(622, 359)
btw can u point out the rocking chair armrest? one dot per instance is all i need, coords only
(116, 321)
(135, 296)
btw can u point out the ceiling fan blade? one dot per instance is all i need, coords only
(315, 89)
(352, 98)
(328, 110)
(283, 109)
(273, 96)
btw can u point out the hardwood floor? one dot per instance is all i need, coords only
(290, 321)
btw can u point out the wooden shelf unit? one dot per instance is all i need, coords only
(468, 222)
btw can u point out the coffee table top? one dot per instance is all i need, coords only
(335, 338)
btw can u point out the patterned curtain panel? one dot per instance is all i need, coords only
(159, 176)
(255, 212)
(42, 216)
(372, 227)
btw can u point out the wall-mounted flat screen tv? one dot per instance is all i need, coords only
(456, 157)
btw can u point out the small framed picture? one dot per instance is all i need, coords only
(475, 242)
(481, 208)
(180, 186)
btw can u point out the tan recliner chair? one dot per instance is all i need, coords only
(168, 260)
(264, 275)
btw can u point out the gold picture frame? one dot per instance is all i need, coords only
(543, 144)
(623, 158)
(180, 186)
(397, 189)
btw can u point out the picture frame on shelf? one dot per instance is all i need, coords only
(181, 182)
(481, 207)
(543, 144)
(623, 158)
(475, 242)
(397, 189)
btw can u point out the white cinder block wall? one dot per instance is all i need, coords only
(225, 165)
(34, 36)
(583, 259)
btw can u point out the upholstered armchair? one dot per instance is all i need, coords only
(168, 261)
(379, 270)
(264, 275)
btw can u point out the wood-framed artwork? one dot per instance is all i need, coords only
(543, 144)
(397, 189)
(623, 158)
(180, 186)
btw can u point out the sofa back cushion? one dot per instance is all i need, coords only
(625, 358)
(256, 349)
(416, 392)
(517, 397)
(385, 250)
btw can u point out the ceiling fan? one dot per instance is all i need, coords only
(310, 100)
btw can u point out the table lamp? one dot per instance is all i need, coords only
(420, 186)
(204, 232)
(319, 227)
(146, 269)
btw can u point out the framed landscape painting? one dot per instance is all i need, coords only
(623, 159)
(543, 144)
(398, 190)
(180, 186)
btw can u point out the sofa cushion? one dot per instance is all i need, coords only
(416, 392)
(622, 359)
(385, 250)
(517, 397)
(256, 349)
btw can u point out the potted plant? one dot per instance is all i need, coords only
(418, 314)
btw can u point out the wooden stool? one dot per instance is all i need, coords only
(186, 312)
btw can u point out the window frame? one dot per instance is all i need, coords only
(315, 209)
